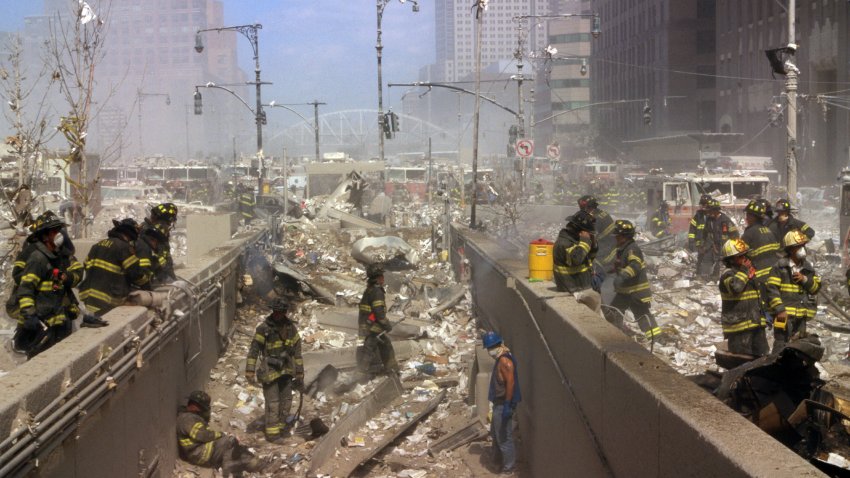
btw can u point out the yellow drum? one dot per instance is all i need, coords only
(540, 260)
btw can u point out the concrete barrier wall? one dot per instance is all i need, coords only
(648, 420)
(132, 432)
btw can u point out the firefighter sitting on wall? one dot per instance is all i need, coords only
(152, 246)
(41, 294)
(659, 223)
(274, 359)
(373, 327)
(201, 446)
(741, 313)
(791, 287)
(112, 269)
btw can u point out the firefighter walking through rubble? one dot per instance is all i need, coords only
(696, 229)
(631, 283)
(378, 355)
(791, 288)
(573, 255)
(504, 393)
(274, 359)
(741, 313)
(202, 446)
(719, 228)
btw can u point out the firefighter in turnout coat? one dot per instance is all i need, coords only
(112, 269)
(696, 229)
(719, 228)
(200, 445)
(791, 288)
(631, 283)
(741, 314)
(378, 354)
(274, 359)
(573, 255)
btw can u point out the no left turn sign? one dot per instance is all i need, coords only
(553, 151)
(525, 148)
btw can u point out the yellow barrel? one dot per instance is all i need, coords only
(266, 188)
(540, 260)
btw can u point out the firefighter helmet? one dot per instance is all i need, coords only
(587, 201)
(756, 208)
(768, 208)
(704, 200)
(583, 220)
(46, 222)
(714, 205)
(794, 238)
(373, 271)
(164, 212)
(624, 228)
(279, 305)
(200, 398)
(734, 248)
(491, 339)
(127, 226)
(783, 205)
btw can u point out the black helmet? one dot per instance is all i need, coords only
(164, 212)
(46, 222)
(127, 226)
(768, 208)
(587, 201)
(704, 200)
(756, 208)
(201, 399)
(713, 205)
(783, 205)
(280, 305)
(583, 220)
(373, 271)
(624, 228)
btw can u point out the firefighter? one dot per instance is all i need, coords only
(768, 211)
(696, 229)
(762, 244)
(659, 223)
(573, 255)
(505, 394)
(791, 288)
(152, 246)
(604, 228)
(277, 347)
(741, 313)
(246, 203)
(41, 293)
(112, 269)
(202, 446)
(785, 222)
(719, 228)
(378, 354)
(631, 284)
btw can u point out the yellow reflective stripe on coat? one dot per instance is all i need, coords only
(632, 289)
(653, 332)
(145, 262)
(739, 327)
(128, 262)
(746, 295)
(31, 278)
(773, 246)
(102, 264)
(572, 269)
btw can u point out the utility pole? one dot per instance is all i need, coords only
(480, 8)
(430, 171)
(316, 104)
(520, 115)
(791, 116)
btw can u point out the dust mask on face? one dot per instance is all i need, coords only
(58, 240)
(494, 352)
(800, 254)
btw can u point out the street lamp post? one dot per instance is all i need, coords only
(251, 33)
(140, 96)
(382, 4)
(315, 104)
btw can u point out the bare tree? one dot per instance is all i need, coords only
(76, 48)
(30, 117)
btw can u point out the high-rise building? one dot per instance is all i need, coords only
(659, 50)
(746, 89)
(148, 57)
(455, 34)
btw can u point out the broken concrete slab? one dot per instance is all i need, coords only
(473, 430)
(345, 319)
(285, 272)
(346, 358)
(347, 220)
(369, 250)
(388, 390)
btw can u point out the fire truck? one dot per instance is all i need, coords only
(682, 192)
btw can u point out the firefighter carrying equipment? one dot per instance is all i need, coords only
(734, 248)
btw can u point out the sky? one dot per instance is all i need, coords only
(316, 49)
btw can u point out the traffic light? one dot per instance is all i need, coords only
(647, 115)
(198, 105)
(394, 122)
(774, 115)
(386, 127)
(513, 135)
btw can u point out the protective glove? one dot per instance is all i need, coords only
(31, 320)
(507, 411)
(93, 321)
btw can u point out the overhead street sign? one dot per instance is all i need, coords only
(553, 151)
(525, 148)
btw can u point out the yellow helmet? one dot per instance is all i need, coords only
(794, 238)
(734, 248)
